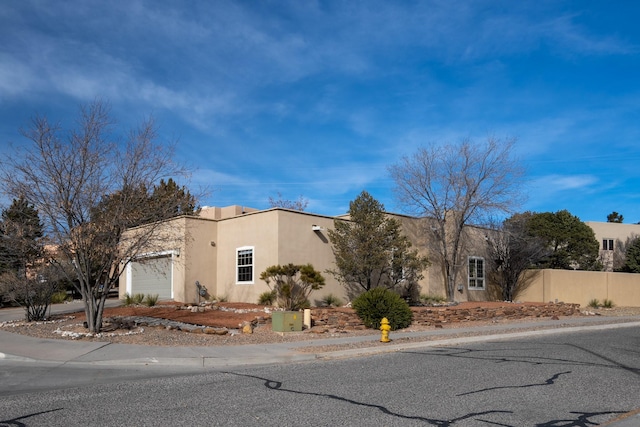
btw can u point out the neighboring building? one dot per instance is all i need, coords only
(612, 236)
(226, 249)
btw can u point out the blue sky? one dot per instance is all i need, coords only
(318, 98)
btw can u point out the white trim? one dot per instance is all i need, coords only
(476, 277)
(129, 279)
(253, 265)
(172, 252)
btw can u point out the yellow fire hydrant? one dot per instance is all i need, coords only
(385, 328)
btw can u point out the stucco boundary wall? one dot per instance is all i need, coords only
(581, 287)
(346, 318)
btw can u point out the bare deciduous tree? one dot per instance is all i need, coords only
(25, 278)
(88, 189)
(511, 251)
(300, 204)
(34, 290)
(455, 185)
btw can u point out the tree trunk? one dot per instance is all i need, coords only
(94, 310)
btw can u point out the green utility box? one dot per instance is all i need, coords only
(286, 321)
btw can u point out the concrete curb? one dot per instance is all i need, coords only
(630, 419)
(5, 356)
(17, 348)
(466, 340)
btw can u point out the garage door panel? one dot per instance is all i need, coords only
(152, 276)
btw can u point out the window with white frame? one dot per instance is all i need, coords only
(244, 265)
(607, 244)
(476, 273)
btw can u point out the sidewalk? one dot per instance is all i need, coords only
(16, 347)
(19, 347)
(17, 313)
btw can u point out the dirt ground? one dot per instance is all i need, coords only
(232, 315)
(225, 315)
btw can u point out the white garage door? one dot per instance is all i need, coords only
(152, 276)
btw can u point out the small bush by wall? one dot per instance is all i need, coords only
(346, 318)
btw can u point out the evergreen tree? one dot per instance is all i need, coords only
(632, 258)
(26, 276)
(615, 217)
(572, 244)
(371, 251)
(178, 199)
(20, 241)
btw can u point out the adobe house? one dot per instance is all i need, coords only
(611, 236)
(226, 249)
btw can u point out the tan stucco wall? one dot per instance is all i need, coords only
(205, 251)
(278, 237)
(616, 231)
(612, 230)
(199, 260)
(473, 243)
(580, 287)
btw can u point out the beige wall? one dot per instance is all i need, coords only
(580, 287)
(278, 237)
(199, 260)
(473, 244)
(612, 230)
(207, 252)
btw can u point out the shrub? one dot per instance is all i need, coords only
(59, 297)
(608, 303)
(594, 303)
(432, 299)
(151, 300)
(292, 284)
(331, 301)
(373, 305)
(267, 298)
(127, 300)
(137, 298)
(304, 304)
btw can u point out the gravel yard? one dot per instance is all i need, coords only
(166, 325)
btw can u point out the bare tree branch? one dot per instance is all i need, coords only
(300, 204)
(89, 188)
(455, 185)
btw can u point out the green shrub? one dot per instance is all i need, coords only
(432, 299)
(594, 303)
(59, 297)
(151, 300)
(127, 300)
(137, 298)
(267, 298)
(373, 305)
(292, 284)
(608, 303)
(331, 301)
(304, 304)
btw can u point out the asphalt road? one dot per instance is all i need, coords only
(580, 379)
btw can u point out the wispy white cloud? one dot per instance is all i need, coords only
(317, 98)
(557, 183)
